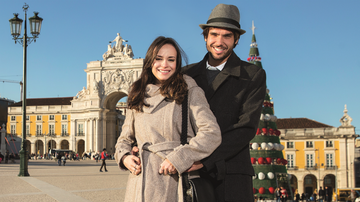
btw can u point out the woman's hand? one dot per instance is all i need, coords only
(132, 163)
(167, 168)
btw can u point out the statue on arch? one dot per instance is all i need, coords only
(119, 41)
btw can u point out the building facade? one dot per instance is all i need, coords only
(89, 121)
(319, 155)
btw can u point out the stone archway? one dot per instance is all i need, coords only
(51, 144)
(80, 147)
(64, 144)
(310, 184)
(108, 81)
(294, 183)
(39, 147)
(329, 181)
(28, 146)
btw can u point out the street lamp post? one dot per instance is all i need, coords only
(15, 28)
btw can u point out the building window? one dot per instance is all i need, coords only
(38, 130)
(327, 180)
(27, 118)
(64, 130)
(28, 130)
(290, 159)
(329, 160)
(64, 117)
(308, 180)
(80, 130)
(13, 118)
(51, 117)
(309, 144)
(329, 143)
(51, 129)
(309, 160)
(290, 145)
(12, 129)
(38, 117)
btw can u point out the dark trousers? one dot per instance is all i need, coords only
(103, 164)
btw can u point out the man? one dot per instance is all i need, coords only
(321, 194)
(103, 158)
(235, 91)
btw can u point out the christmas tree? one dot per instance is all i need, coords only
(265, 149)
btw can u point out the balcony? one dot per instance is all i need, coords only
(80, 134)
(327, 167)
(51, 135)
(39, 135)
(292, 167)
(310, 167)
(64, 134)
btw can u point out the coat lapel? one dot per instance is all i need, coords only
(232, 68)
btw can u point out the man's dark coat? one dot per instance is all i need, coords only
(235, 97)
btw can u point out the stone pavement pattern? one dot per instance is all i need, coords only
(77, 181)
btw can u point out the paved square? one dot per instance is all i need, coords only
(77, 181)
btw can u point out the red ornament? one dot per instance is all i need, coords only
(271, 131)
(285, 162)
(261, 160)
(271, 190)
(277, 132)
(264, 130)
(268, 160)
(253, 160)
(254, 190)
(248, 59)
(262, 190)
(278, 161)
(258, 132)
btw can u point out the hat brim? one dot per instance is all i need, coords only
(223, 25)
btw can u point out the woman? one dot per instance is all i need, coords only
(154, 123)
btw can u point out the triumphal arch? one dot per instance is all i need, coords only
(95, 117)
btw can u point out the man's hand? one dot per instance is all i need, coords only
(196, 166)
(135, 151)
(132, 163)
(167, 168)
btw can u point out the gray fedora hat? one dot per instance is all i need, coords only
(224, 16)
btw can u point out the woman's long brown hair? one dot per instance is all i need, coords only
(174, 88)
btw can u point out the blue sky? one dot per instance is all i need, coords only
(309, 49)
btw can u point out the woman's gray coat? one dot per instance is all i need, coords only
(157, 131)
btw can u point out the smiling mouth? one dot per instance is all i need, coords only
(164, 71)
(219, 49)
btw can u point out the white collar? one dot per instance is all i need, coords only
(219, 67)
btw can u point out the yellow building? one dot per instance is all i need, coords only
(318, 155)
(47, 125)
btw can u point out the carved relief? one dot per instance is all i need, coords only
(81, 94)
(117, 80)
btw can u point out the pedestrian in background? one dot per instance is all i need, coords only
(103, 158)
(1, 157)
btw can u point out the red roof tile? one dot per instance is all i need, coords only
(45, 101)
(299, 123)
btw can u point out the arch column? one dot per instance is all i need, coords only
(33, 148)
(72, 143)
(97, 138)
(86, 137)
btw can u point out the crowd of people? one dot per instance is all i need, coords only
(8, 157)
